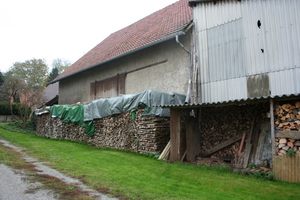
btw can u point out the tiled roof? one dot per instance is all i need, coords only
(162, 24)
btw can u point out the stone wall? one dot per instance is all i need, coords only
(7, 118)
(143, 134)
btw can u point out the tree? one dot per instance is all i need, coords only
(1, 78)
(25, 80)
(53, 74)
(61, 64)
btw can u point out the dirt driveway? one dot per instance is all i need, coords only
(18, 185)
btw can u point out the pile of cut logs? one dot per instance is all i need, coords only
(144, 134)
(223, 123)
(284, 144)
(287, 117)
(287, 125)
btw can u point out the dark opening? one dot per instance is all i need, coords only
(258, 23)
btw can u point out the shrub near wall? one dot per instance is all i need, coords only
(144, 134)
(6, 113)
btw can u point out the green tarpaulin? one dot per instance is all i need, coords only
(73, 114)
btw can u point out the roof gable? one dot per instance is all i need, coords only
(162, 24)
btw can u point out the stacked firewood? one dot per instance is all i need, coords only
(287, 125)
(283, 145)
(222, 123)
(287, 117)
(143, 134)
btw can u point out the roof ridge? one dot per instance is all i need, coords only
(145, 31)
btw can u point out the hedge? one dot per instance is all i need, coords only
(5, 108)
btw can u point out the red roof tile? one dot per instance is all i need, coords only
(157, 26)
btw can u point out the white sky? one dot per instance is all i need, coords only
(67, 29)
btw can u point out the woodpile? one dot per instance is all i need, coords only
(144, 134)
(220, 124)
(287, 125)
(284, 144)
(287, 117)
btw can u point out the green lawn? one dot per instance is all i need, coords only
(138, 177)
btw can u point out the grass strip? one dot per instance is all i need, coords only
(66, 191)
(132, 176)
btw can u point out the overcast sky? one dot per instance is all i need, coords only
(64, 29)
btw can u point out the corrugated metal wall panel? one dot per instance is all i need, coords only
(278, 35)
(285, 82)
(226, 60)
(232, 46)
(225, 90)
(221, 13)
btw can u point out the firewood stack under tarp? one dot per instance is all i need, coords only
(287, 128)
(145, 134)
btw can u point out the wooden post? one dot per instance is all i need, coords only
(192, 138)
(272, 126)
(175, 135)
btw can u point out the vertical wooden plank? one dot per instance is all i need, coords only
(264, 128)
(287, 168)
(121, 82)
(192, 138)
(175, 135)
(92, 91)
(248, 145)
(272, 126)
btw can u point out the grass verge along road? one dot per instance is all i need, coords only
(132, 176)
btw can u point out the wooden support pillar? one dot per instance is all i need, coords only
(175, 135)
(193, 147)
(272, 126)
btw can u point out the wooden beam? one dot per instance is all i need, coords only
(261, 141)
(248, 147)
(175, 135)
(222, 145)
(288, 134)
(272, 126)
(193, 147)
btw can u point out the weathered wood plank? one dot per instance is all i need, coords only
(175, 135)
(247, 155)
(288, 134)
(272, 126)
(164, 155)
(222, 145)
(261, 140)
(192, 139)
(248, 147)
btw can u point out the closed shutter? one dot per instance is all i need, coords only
(110, 87)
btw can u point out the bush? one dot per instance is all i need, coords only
(16, 108)
(5, 108)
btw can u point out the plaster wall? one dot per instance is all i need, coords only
(167, 71)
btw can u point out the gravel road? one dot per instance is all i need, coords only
(16, 184)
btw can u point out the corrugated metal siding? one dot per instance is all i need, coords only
(232, 47)
(287, 81)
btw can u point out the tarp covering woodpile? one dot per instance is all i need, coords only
(147, 99)
(83, 115)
